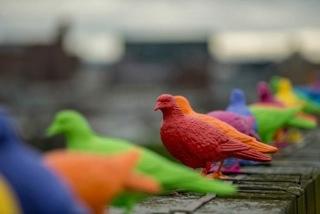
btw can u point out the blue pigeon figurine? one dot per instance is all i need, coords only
(238, 104)
(308, 92)
(36, 187)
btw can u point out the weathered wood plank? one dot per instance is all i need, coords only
(291, 184)
(315, 185)
(243, 206)
(177, 203)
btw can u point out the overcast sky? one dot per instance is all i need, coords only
(98, 26)
(156, 18)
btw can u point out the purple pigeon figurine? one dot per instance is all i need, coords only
(241, 123)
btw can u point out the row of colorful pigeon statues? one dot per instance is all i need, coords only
(95, 172)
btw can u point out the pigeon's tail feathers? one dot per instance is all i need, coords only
(178, 177)
(261, 147)
(206, 185)
(255, 135)
(139, 182)
(253, 155)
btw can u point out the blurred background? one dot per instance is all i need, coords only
(110, 59)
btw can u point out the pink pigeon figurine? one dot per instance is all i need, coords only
(265, 95)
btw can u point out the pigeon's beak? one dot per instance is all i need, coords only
(52, 130)
(157, 106)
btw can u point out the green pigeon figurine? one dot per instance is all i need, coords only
(270, 119)
(171, 176)
(303, 121)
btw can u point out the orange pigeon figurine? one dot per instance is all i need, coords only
(97, 179)
(225, 128)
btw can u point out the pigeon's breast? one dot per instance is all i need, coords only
(173, 139)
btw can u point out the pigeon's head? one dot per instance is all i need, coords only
(67, 121)
(183, 104)
(237, 97)
(7, 129)
(274, 83)
(165, 101)
(263, 91)
(284, 85)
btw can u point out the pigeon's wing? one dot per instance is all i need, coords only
(225, 128)
(239, 150)
(234, 134)
(205, 142)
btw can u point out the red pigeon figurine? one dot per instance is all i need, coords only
(197, 144)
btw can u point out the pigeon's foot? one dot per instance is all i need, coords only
(219, 175)
(207, 169)
(204, 172)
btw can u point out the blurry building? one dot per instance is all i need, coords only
(299, 69)
(174, 64)
(243, 58)
(38, 61)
